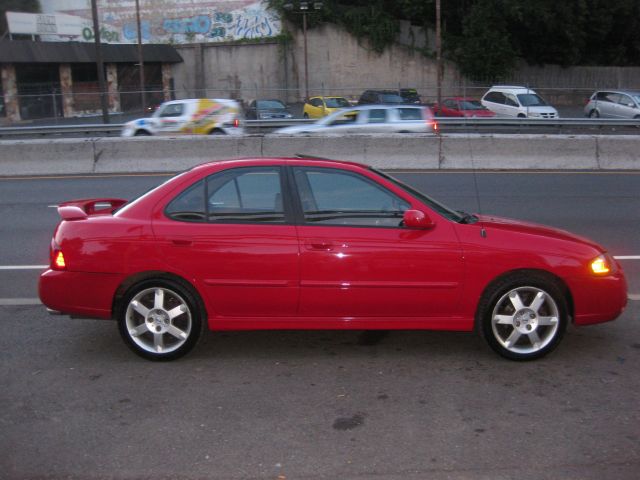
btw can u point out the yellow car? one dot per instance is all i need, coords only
(318, 107)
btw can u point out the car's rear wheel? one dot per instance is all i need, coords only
(523, 317)
(142, 133)
(160, 319)
(306, 116)
(216, 131)
(594, 114)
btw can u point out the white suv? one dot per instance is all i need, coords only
(514, 101)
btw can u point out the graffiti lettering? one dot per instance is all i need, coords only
(106, 35)
(223, 18)
(198, 24)
(218, 32)
(255, 26)
(130, 30)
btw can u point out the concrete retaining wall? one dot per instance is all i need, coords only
(462, 151)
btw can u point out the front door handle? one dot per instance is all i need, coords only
(318, 244)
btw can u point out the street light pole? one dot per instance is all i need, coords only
(306, 58)
(140, 58)
(438, 54)
(100, 65)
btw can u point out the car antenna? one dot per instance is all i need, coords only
(483, 232)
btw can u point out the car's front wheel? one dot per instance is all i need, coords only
(594, 114)
(160, 319)
(523, 317)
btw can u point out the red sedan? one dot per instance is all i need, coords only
(462, 107)
(317, 244)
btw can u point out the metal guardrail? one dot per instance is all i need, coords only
(446, 123)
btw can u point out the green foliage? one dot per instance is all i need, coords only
(484, 53)
(487, 37)
(27, 6)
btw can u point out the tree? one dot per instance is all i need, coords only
(484, 51)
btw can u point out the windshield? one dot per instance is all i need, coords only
(636, 98)
(430, 202)
(531, 100)
(471, 105)
(336, 102)
(271, 105)
(391, 98)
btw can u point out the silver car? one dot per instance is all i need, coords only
(614, 104)
(371, 119)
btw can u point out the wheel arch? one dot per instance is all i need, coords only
(540, 273)
(139, 277)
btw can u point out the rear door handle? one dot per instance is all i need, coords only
(181, 242)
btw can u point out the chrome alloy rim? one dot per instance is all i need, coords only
(525, 320)
(158, 320)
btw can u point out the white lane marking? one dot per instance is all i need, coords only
(23, 267)
(627, 257)
(634, 297)
(19, 301)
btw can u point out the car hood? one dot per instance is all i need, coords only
(300, 128)
(490, 222)
(546, 109)
(478, 113)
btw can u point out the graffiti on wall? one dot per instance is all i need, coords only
(176, 21)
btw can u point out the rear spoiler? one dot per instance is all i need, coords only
(82, 209)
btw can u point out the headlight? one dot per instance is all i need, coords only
(603, 265)
(534, 114)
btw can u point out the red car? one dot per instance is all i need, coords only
(318, 244)
(462, 107)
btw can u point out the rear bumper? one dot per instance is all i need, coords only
(78, 294)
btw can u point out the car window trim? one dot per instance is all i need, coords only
(299, 210)
(287, 206)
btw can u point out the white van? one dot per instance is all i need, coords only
(191, 116)
(515, 101)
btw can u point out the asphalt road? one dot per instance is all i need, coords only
(75, 403)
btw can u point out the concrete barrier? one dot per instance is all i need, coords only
(398, 151)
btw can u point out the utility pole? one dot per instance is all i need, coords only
(438, 54)
(141, 58)
(100, 65)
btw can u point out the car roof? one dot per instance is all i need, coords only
(326, 96)
(301, 160)
(513, 88)
(628, 92)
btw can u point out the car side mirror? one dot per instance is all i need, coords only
(417, 219)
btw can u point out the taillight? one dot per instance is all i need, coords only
(236, 123)
(57, 257)
(436, 127)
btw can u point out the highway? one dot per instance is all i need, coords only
(286, 405)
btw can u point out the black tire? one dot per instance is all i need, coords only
(168, 324)
(522, 115)
(594, 114)
(142, 133)
(217, 131)
(528, 325)
(306, 116)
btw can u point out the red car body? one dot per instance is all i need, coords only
(431, 272)
(462, 107)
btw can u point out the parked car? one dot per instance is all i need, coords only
(462, 107)
(614, 104)
(277, 243)
(521, 102)
(410, 95)
(206, 116)
(380, 97)
(371, 119)
(267, 110)
(318, 107)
